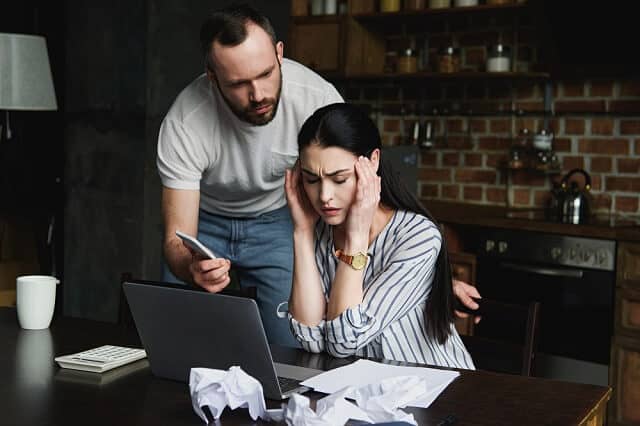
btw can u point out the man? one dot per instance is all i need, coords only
(223, 150)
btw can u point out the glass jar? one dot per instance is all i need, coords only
(407, 61)
(499, 58)
(389, 5)
(449, 59)
(439, 4)
(414, 4)
(465, 3)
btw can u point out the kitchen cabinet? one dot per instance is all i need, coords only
(624, 408)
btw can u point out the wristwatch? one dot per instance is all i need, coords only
(357, 261)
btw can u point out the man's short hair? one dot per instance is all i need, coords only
(228, 26)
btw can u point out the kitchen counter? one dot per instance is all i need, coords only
(613, 227)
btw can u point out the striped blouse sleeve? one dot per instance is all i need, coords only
(402, 284)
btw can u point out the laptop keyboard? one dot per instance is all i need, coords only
(287, 384)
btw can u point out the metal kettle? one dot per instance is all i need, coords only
(574, 204)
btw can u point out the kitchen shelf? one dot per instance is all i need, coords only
(410, 17)
(427, 75)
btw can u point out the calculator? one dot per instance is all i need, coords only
(101, 359)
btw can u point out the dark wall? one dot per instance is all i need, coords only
(126, 61)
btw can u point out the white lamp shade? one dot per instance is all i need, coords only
(25, 74)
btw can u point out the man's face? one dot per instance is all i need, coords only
(248, 76)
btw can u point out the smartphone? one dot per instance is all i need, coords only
(195, 245)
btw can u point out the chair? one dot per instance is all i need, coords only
(505, 340)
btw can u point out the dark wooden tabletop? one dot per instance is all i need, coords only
(35, 391)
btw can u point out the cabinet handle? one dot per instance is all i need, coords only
(568, 273)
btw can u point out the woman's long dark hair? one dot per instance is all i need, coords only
(348, 127)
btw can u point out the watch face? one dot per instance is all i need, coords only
(359, 261)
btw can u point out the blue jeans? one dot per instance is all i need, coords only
(261, 253)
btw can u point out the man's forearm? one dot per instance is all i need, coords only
(178, 259)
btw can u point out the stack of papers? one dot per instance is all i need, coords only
(364, 372)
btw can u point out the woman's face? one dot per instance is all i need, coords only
(329, 180)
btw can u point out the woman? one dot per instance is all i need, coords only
(371, 278)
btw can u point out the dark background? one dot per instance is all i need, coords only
(117, 66)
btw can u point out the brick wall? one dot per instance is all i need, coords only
(596, 127)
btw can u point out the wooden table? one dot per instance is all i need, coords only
(34, 391)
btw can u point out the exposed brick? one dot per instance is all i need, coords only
(525, 178)
(554, 125)
(475, 56)
(531, 106)
(636, 150)
(473, 160)
(473, 193)
(573, 89)
(580, 106)
(601, 126)
(541, 198)
(562, 144)
(601, 164)
(596, 182)
(387, 139)
(624, 106)
(434, 175)
(391, 125)
(626, 204)
(630, 127)
(624, 184)
(628, 165)
(478, 126)
(455, 125)
(604, 146)
(458, 142)
(398, 140)
(572, 162)
(493, 144)
(428, 158)
(630, 88)
(574, 126)
(525, 123)
(601, 202)
(475, 176)
(496, 195)
(484, 106)
(450, 192)
(429, 190)
(451, 159)
(500, 126)
(602, 88)
(522, 197)
(496, 160)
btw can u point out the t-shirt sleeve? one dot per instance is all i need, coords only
(180, 161)
(333, 96)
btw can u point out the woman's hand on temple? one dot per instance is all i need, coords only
(302, 213)
(365, 204)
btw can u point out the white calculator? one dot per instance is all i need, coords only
(101, 359)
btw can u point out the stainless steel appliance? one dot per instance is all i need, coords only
(573, 278)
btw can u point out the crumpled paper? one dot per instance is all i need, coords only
(217, 389)
(375, 403)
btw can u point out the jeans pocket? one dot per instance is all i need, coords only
(281, 162)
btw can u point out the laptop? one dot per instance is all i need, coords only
(183, 326)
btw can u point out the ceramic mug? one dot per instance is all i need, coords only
(35, 300)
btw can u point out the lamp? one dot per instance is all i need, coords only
(25, 75)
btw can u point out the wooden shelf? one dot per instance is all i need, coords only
(463, 75)
(403, 16)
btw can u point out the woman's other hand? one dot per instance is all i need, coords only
(465, 292)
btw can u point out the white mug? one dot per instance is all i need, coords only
(35, 300)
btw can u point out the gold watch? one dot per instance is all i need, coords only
(357, 261)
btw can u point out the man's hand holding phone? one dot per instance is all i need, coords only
(207, 270)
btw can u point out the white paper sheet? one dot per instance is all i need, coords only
(365, 372)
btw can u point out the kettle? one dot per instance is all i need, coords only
(573, 203)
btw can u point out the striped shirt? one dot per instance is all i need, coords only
(390, 321)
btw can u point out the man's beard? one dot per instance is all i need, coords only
(245, 114)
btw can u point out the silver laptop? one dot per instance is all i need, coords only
(183, 327)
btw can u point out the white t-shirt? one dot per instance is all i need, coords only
(238, 167)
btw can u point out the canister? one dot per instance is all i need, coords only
(407, 62)
(449, 59)
(498, 58)
(439, 4)
(389, 5)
